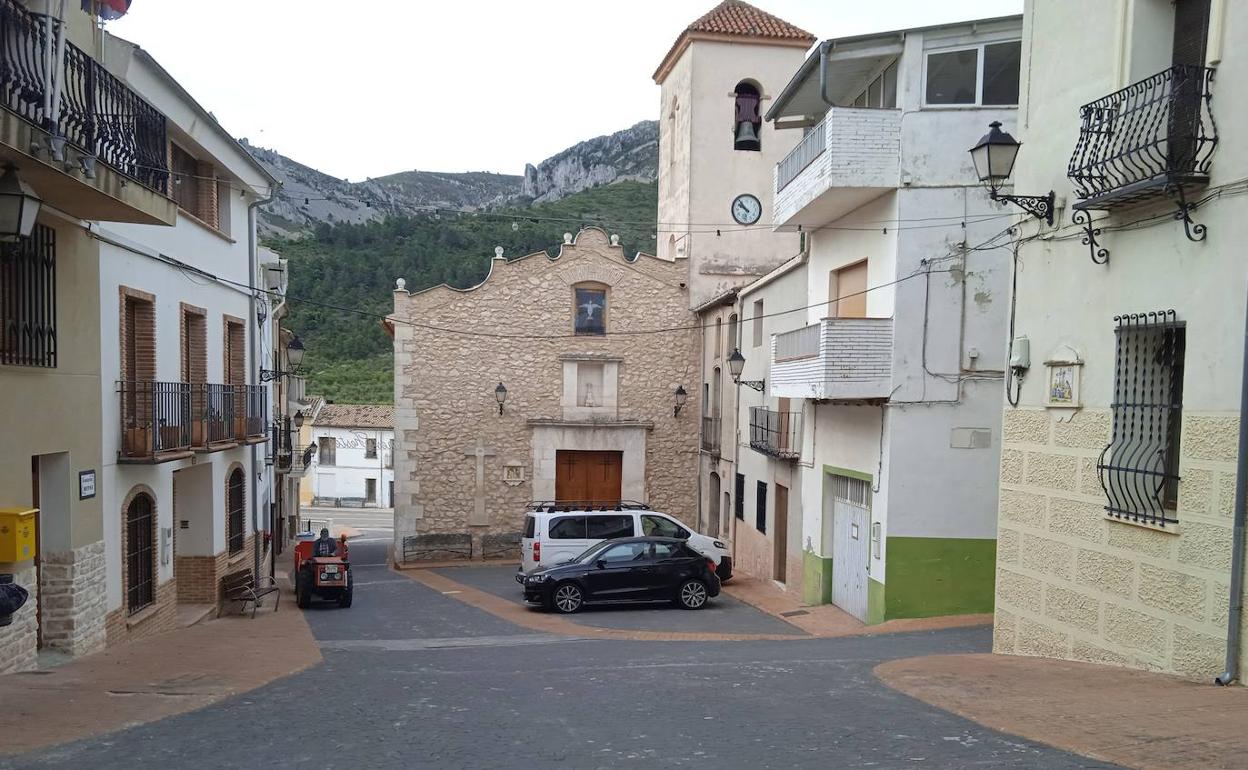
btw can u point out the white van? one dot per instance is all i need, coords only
(555, 533)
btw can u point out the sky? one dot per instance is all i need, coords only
(372, 87)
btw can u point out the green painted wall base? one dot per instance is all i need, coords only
(875, 601)
(930, 576)
(816, 579)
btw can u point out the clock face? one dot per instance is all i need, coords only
(746, 209)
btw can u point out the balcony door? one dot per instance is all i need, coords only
(847, 291)
(1191, 36)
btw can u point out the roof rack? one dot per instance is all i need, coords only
(558, 506)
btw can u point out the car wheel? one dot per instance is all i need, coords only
(345, 599)
(567, 598)
(692, 595)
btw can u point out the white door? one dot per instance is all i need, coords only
(851, 525)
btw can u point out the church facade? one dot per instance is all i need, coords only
(555, 378)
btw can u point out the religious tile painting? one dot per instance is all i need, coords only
(591, 311)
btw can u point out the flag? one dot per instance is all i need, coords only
(106, 9)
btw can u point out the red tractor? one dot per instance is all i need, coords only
(325, 577)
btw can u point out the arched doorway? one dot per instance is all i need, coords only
(140, 553)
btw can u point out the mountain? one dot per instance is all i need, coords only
(309, 197)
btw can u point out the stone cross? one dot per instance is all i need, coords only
(478, 517)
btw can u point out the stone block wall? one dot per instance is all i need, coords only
(1073, 583)
(73, 599)
(19, 640)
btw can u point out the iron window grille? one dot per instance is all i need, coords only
(140, 554)
(760, 508)
(1139, 469)
(237, 530)
(738, 499)
(28, 300)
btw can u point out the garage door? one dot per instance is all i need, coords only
(851, 522)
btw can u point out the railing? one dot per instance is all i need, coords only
(798, 343)
(98, 114)
(778, 434)
(213, 408)
(811, 147)
(711, 434)
(1146, 137)
(255, 416)
(156, 417)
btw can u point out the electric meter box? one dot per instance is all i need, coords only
(17, 534)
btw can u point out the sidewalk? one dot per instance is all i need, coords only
(1127, 717)
(827, 620)
(155, 678)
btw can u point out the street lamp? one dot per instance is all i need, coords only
(19, 206)
(298, 419)
(994, 158)
(736, 364)
(681, 397)
(500, 395)
(294, 357)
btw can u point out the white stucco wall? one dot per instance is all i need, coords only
(346, 478)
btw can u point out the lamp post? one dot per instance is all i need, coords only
(19, 206)
(681, 397)
(736, 364)
(994, 158)
(500, 395)
(294, 357)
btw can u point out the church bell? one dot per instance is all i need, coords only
(747, 137)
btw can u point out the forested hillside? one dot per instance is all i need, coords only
(349, 355)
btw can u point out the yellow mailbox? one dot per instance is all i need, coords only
(17, 534)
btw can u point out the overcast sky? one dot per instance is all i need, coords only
(371, 87)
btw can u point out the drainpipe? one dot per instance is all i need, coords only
(253, 261)
(1237, 541)
(824, 48)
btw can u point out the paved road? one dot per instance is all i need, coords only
(414, 678)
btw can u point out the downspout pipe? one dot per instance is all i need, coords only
(1237, 540)
(253, 356)
(824, 49)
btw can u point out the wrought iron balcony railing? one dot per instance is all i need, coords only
(98, 114)
(711, 434)
(213, 407)
(256, 413)
(1148, 140)
(156, 418)
(778, 434)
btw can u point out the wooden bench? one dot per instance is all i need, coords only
(240, 586)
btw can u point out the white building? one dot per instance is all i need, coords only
(883, 398)
(354, 460)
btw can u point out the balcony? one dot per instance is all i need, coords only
(837, 359)
(156, 421)
(103, 154)
(295, 461)
(213, 408)
(777, 434)
(1150, 140)
(711, 434)
(848, 158)
(251, 423)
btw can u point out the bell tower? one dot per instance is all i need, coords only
(716, 155)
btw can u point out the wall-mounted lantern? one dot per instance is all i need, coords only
(294, 357)
(736, 365)
(500, 395)
(994, 158)
(19, 206)
(681, 397)
(298, 419)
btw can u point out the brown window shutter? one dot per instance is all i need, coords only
(206, 191)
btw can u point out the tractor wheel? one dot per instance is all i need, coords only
(303, 589)
(345, 599)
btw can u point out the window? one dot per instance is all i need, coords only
(880, 92)
(195, 186)
(327, 450)
(732, 333)
(567, 528)
(590, 309)
(983, 75)
(760, 507)
(847, 291)
(747, 120)
(758, 322)
(657, 526)
(236, 531)
(370, 448)
(235, 351)
(719, 338)
(138, 365)
(194, 345)
(1139, 470)
(624, 552)
(140, 553)
(370, 490)
(530, 526)
(668, 551)
(608, 527)
(28, 300)
(739, 497)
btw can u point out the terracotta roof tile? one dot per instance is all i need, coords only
(355, 416)
(740, 19)
(733, 17)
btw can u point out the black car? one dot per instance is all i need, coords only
(634, 569)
